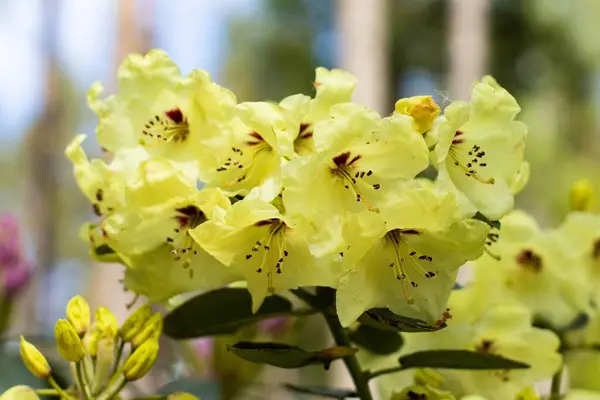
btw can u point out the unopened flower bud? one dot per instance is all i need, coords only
(34, 360)
(90, 341)
(582, 195)
(141, 360)
(68, 342)
(423, 109)
(20, 392)
(135, 322)
(106, 322)
(151, 329)
(78, 314)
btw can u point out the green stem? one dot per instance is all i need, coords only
(384, 371)
(119, 355)
(47, 392)
(110, 394)
(6, 306)
(360, 379)
(56, 386)
(83, 382)
(556, 383)
(151, 397)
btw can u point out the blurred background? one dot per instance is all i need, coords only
(546, 52)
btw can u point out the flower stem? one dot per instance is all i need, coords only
(56, 386)
(6, 306)
(110, 394)
(556, 383)
(83, 382)
(341, 339)
(384, 371)
(47, 392)
(119, 355)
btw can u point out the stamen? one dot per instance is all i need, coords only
(469, 167)
(243, 161)
(274, 233)
(171, 126)
(184, 248)
(343, 168)
(398, 263)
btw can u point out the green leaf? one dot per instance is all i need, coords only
(378, 341)
(333, 393)
(480, 217)
(222, 311)
(287, 356)
(458, 359)
(384, 319)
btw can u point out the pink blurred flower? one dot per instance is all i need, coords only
(276, 326)
(203, 347)
(10, 243)
(16, 278)
(15, 270)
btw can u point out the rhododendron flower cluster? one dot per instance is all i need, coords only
(197, 190)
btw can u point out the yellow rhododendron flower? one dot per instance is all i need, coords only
(481, 147)
(155, 108)
(267, 248)
(359, 159)
(502, 329)
(406, 258)
(528, 265)
(302, 112)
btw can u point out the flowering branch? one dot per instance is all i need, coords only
(360, 378)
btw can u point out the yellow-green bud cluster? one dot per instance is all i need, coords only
(95, 348)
